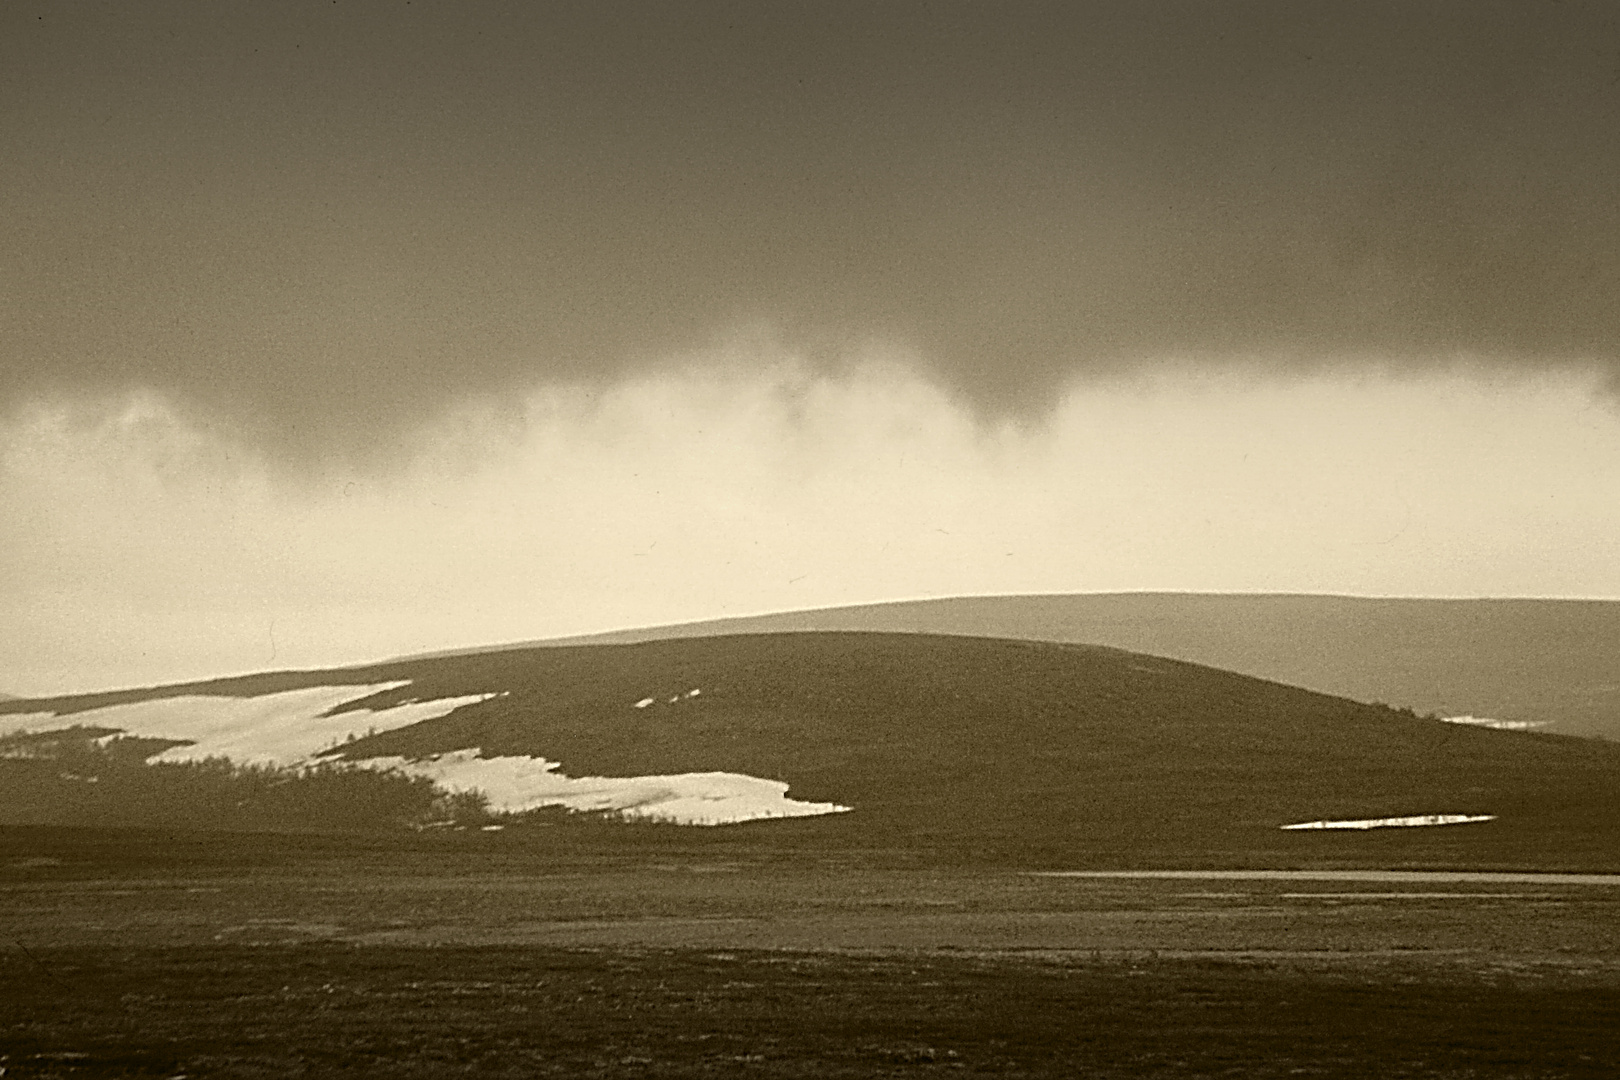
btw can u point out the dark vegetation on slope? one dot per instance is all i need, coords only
(1004, 750)
(58, 777)
(1539, 660)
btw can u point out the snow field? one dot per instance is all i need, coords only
(291, 729)
(288, 728)
(1498, 725)
(516, 784)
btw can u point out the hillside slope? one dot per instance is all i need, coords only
(970, 748)
(1552, 662)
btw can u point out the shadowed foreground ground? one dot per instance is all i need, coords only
(296, 1010)
(262, 957)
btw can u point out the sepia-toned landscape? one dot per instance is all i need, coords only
(910, 538)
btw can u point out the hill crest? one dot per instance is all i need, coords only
(1545, 662)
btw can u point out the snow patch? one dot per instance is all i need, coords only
(1413, 821)
(291, 728)
(1499, 725)
(288, 728)
(515, 784)
(672, 700)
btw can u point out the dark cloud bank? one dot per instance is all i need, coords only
(325, 218)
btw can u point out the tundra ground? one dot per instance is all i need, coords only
(234, 955)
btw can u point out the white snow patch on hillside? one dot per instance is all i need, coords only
(674, 699)
(289, 729)
(273, 729)
(1414, 821)
(515, 784)
(1499, 725)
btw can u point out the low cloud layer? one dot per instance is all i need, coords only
(138, 547)
(324, 226)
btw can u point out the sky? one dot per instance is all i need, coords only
(333, 331)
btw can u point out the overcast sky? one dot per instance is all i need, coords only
(336, 329)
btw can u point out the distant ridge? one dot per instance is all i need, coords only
(1550, 661)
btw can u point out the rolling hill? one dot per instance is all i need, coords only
(949, 747)
(1547, 662)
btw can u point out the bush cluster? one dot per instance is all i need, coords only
(81, 776)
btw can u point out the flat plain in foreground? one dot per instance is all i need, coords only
(264, 956)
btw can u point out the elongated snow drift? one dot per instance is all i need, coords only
(1495, 724)
(1413, 821)
(287, 728)
(516, 784)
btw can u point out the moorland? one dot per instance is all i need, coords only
(1539, 661)
(209, 918)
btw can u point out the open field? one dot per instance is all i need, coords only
(221, 954)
